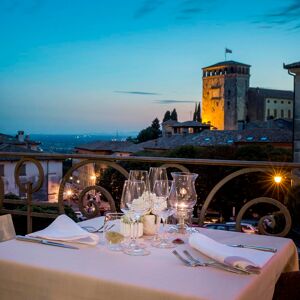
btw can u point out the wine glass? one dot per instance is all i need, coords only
(140, 175)
(163, 210)
(157, 174)
(136, 202)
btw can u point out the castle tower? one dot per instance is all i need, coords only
(224, 99)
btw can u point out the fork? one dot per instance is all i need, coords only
(92, 229)
(197, 263)
(216, 265)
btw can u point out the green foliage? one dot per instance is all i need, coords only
(174, 115)
(197, 113)
(167, 116)
(263, 153)
(150, 133)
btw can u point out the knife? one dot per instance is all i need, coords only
(44, 242)
(266, 249)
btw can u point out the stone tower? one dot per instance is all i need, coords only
(224, 99)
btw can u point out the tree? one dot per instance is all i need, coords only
(150, 133)
(198, 116)
(174, 115)
(197, 113)
(167, 116)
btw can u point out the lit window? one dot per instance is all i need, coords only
(249, 138)
(263, 138)
(229, 141)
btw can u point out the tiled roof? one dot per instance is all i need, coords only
(272, 93)
(221, 138)
(114, 146)
(170, 122)
(227, 63)
(293, 65)
(190, 124)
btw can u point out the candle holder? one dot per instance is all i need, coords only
(183, 197)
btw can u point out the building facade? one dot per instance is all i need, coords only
(225, 87)
(265, 104)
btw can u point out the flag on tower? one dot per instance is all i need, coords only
(228, 50)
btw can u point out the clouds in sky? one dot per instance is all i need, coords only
(288, 15)
(171, 101)
(137, 93)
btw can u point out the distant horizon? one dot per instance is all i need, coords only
(123, 133)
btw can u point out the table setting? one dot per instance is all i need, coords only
(133, 255)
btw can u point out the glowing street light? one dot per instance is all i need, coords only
(93, 177)
(277, 179)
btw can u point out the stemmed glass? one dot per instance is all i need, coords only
(157, 174)
(136, 203)
(140, 175)
(163, 210)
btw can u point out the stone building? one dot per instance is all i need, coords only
(228, 102)
(264, 104)
(225, 87)
(294, 70)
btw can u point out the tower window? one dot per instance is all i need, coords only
(275, 113)
(275, 101)
(229, 93)
(289, 114)
(282, 113)
(228, 104)
(281, 102)
(268, 113)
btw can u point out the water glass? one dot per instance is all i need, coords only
(111, 231)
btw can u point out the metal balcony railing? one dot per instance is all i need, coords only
(238, 168)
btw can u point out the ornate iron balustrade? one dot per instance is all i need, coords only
(114, 162)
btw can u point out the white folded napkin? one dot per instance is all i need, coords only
(65, 229)
(246, 259)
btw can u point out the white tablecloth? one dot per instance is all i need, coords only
(33, 271)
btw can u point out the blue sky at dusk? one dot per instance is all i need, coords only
(101, 66)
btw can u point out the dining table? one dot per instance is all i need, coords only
(40, 272)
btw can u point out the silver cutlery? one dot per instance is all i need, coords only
(92, 229)
(44, 242)
(216, 264)
(191, 262)
(266, 249)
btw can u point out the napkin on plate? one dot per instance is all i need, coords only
(65, 229)
(246, 259)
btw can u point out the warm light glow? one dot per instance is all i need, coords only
(93, 177)
(69, 192)
(71, 177)
(278, 179)
(78, 181)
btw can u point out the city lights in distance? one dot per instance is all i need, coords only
(69, 192)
